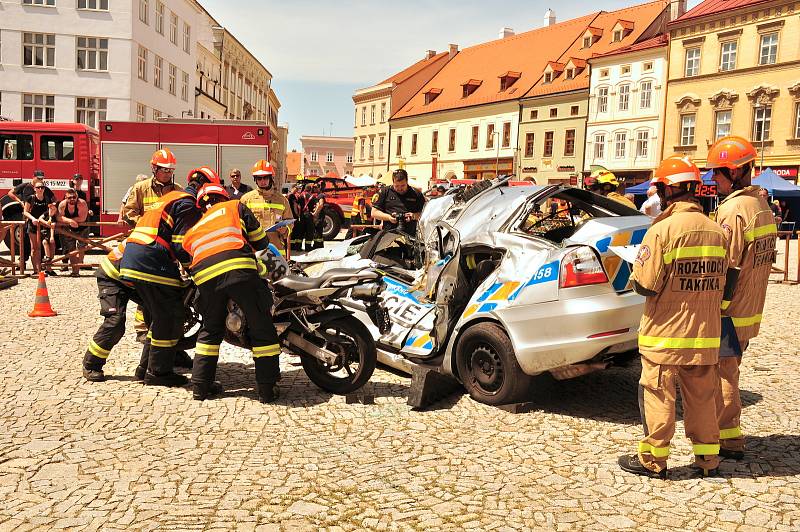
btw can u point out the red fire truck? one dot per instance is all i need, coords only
(111, 159)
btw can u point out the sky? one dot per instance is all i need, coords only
(320, 51)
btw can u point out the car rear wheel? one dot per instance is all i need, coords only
(333, 224)
(487, 366)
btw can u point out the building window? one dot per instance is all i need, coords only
(554, 112)
(687, 129)
(762, 119)
(474, 142)
(355, 118)
(185, 87)
(534, 114)
(620, 141)
(624, 97)
(141, 112)
(617, 36)
(602, 100)
(548, 77)
(625, 70)
(144, 8)
(173, 28)
(158, 67)
(187, 38)
(451, 142)
(383, 113)
(647, 67)
(530, 138)
(90, 111)
(380, 147)
(574, 110)
(599, 146)
(506, 134)
(372, 115)
(587, 42)
(160, 17)
(548, 144)
(38, 107)
(692, 66)
(142, 70)
(797, 120)
(727, 59)
(329, 157)
(157, 114)
(349, 158)
(414, 144)
(364, 116)
(489, 136)
(570, 73)
(314, 156)
(39, 49)
(92, 53)
(172, 80)
(646, 95)
(95, 5)
(363, 141)
(435, 142)
(569, 143)
(39, 2)
(722, 124)
(399, 149)
(642, 143)
(769, 49)
(604, 73)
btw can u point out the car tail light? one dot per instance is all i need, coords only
(581, 267)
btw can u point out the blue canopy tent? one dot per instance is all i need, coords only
(776, 185)
(641, 188)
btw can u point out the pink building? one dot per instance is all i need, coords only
(327, 155)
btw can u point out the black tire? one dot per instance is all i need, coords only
(352, 341)
(333, 224)
(487, 366)
(18, 233)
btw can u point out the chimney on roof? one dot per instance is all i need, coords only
(676, 9)
(506, 32)
(429, 54)
(453, 50)
(549, 18)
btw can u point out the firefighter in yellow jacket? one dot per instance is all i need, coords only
(267, 203)
(681, 270)
(606, 184)
(224, 268)
(750, 226)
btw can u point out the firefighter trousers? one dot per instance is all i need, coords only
(255, 300)
(657, 395)
(298, 233)
(729, 405)
(113, 298)
(164, 306)
(319, 226)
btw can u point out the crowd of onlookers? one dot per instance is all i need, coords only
(42, 212)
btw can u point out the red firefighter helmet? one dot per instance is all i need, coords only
(263, 168)
(203, 175)
(163, 158)
(731, 152)
(208, 192)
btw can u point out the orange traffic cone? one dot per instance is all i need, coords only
(41, 305)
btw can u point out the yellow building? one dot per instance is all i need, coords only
(734, 70)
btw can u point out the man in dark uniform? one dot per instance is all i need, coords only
(318, 217)
(399, 203)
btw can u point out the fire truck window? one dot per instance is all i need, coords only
(16, 147)
(57, 148)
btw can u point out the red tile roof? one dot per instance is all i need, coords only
(639, 18)
(713, 7)
(656, 42)
(403, 75)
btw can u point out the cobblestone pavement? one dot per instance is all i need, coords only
(118, 455)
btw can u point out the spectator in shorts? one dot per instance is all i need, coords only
(74, 211)
(120, 219)
(39, 210)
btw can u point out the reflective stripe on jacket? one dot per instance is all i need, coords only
(146, 230)
(144, 196)
(750, 226)
(269, 208)
(221, 241)
(683, 258)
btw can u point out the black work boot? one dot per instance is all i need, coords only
(700, 472)
(631, 464)
(139, 373)
(203, 391)
(733, 455)
(165, 379)
(183, 360)
(268, 392)
(93, 375)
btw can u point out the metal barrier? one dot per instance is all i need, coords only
(787, 238)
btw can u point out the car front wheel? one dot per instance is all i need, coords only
(487, 366)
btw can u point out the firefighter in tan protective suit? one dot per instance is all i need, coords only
(267, 203)
(681, 270)
(606, 184)
(750, 226)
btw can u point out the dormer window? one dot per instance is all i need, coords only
(621, 29)
(431, 95)
(591, 36)
(508, 79)
(570, 73)
(574, 67)
(617, 35)
(470, 86)
(548, 77)
(587, 42)
(552, 70)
